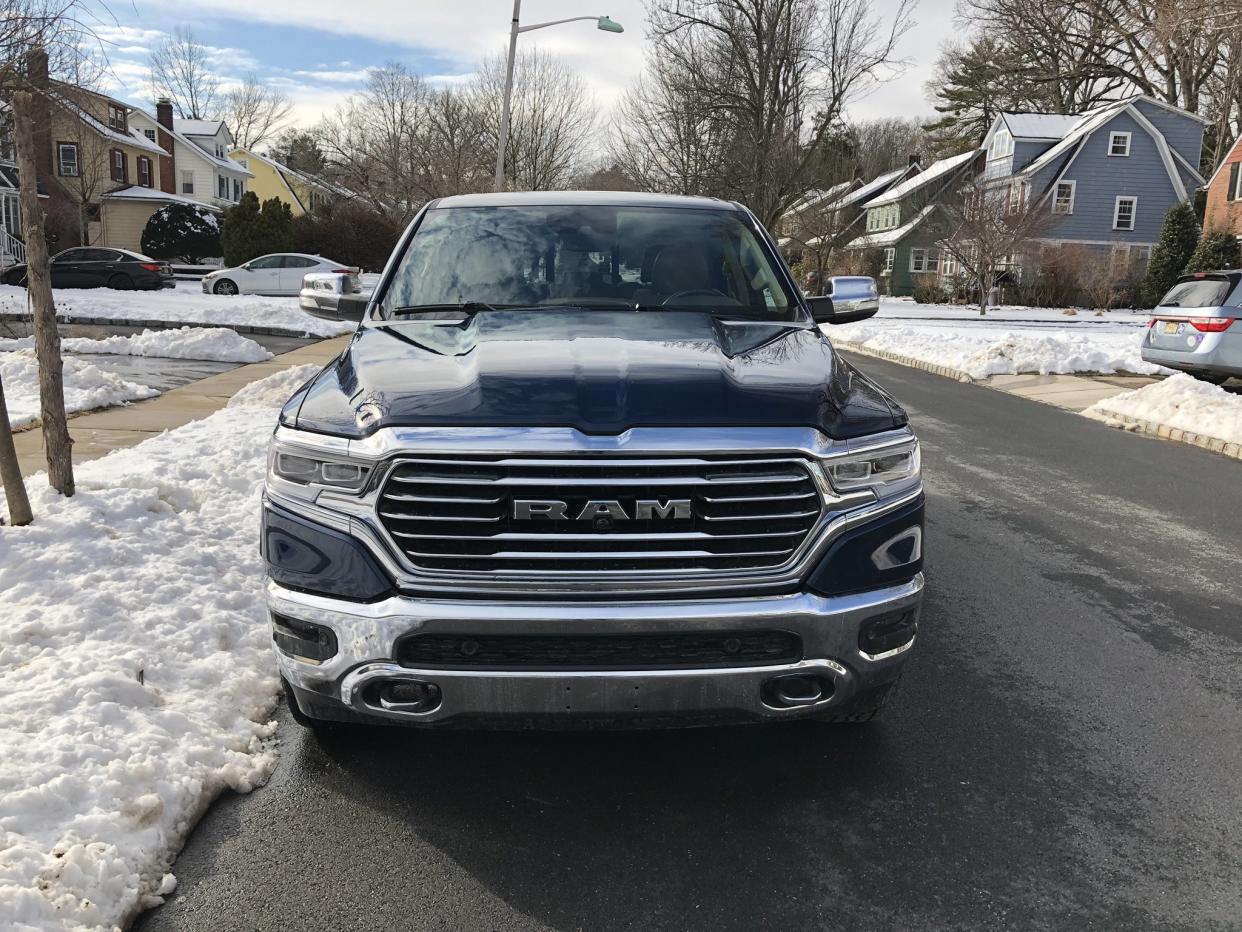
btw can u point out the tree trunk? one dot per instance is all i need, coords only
(10, 471)
(56, 440)
(985, 293)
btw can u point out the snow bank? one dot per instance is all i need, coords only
(980, 351)
(214, 343)
(184, 304)
(136, 675)
(275, 389)
(1180, 401)
(86, 386)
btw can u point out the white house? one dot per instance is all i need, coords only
(202, 168)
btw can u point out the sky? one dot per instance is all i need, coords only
(318, 51)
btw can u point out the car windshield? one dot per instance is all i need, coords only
(594, 257)
(1198, 292)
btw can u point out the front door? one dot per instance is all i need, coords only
(262, 275)
(66, 269)
(292, 272)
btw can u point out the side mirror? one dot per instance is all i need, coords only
(822, 310)
(352, 306)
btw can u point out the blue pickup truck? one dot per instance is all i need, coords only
(589, 458)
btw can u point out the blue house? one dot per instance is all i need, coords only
(1107, 175)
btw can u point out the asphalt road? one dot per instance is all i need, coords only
(1066, 751)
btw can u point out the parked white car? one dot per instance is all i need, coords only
(280, 273)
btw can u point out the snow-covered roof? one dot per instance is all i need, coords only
(935, 170)
(877, 183)
(889, 237)
(301, 176)
(179, 134)
(138, 193)
(197, 127)
(822, 196)
(1039, 125)
(130, 138)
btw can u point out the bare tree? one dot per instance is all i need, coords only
(253, 111)
(181, 71)
(987, 227)
(767, 80)
(552, 123)
(11, 471)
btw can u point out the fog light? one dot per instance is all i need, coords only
(906, 547)
(409, 696)
(303, 640)
(886, 635)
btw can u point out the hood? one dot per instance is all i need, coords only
(601, 372)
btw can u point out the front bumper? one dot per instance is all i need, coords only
(348, 685)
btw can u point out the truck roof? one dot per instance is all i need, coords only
(581, 198)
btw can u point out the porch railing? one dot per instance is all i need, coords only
(11, 248)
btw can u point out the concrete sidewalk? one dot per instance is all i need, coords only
(1072, 392)
(97, 434)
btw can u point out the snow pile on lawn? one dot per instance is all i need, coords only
(184, 304)
(981, 351)
(1182, 402)
(86, 387)
(136, 675)
(214, 343)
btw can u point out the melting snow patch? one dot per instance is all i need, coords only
(214, 343)
(136, 674)
(86, 386)
(1182, 402)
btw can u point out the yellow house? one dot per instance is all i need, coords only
(302, 192)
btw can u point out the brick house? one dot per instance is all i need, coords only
(1223, 209)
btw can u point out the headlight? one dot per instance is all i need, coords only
(874, 467)
(308, 469)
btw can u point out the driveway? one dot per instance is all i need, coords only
(1066, 750)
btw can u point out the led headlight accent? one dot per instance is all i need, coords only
(305, 470)
(874, 468)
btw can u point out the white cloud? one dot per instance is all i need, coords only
(335, 77)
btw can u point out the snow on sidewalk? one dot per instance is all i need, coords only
(136, 675)
(184, 304)
(218, 344)
(1010, 340)
(1180, 402)
(86, 386)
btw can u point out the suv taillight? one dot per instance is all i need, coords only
(1211, 324)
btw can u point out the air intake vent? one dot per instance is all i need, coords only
(547, 517)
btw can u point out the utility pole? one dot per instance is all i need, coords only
(601, 22)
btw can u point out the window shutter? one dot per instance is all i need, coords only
(1232, 193)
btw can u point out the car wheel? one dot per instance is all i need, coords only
(225, 286)
(1215, 378)
(120, 282)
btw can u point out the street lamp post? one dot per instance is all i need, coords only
(601, 22)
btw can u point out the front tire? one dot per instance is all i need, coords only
(225, 286)
(120, 282)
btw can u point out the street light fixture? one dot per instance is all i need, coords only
(601, 22)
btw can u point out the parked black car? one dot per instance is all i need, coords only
(100, 267)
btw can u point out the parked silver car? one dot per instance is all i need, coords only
(322, 292)
(1194, 327)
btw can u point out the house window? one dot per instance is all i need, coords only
(1234, 191)
(1015, 197)
(117, 119)
(222, 187)
(117, 160)
(948, 265)
(67, 159)
(1063, 199)
(149, 133)
(1123, 213)
(244, 163)
(890, 254)
(187, 182)
(219, 150)
(924, 260)
(236, 190)
(1119, 144)
(144, 171)
(1002, 145)
(1130, 258)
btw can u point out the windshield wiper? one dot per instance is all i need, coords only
(465, 307)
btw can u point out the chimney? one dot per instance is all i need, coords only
(163, 112)
(915, 158)
(168, 165)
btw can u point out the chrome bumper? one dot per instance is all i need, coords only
(366, 634)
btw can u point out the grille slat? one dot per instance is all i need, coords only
(745, 514)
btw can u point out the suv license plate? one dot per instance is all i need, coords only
(1172, 326)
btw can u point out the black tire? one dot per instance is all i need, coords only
(867, 706)
(225, 286)
(15, 278)
(314, 724)
(1213, 378)
(119, 282)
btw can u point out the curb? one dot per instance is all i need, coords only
(947, 372)
(1165, 432)
(168, 325)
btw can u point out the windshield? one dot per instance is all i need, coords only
(1199, 292)
(590, 257)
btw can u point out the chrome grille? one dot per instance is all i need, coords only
(457, 515)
